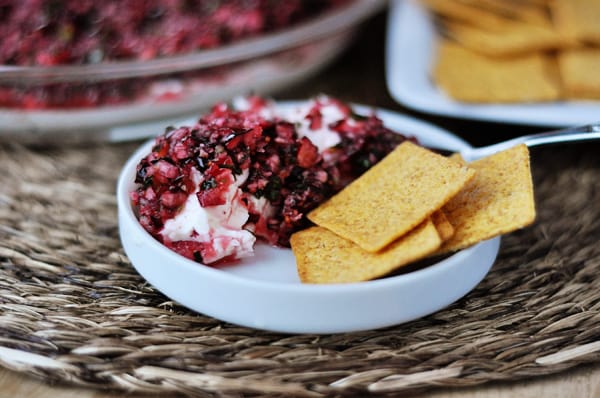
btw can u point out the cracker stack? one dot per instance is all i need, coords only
(506, 51)
(412, 205)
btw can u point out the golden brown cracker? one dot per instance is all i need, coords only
(578, 19)
(540, 3)
(392, 197)
(324, 257)
(488, 14)
(457, 157)
(515, 10)
(580, 72)
(515, 38)
(464, 13)
(443, 226)
(498, 200)
(471, 77)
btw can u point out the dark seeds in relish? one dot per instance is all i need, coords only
(285, 169)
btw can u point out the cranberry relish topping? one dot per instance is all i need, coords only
(207, 191)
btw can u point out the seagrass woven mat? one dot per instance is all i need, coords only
(72, 308)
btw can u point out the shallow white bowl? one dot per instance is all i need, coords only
(264, 292)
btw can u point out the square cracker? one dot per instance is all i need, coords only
(470, 77)
(324, 257)
(488, 14)
(442, 224)
(513, 39)
(392, 197)
(577, 19)
(580, 72)
(498, 200)
(465, 13)
(516, 10)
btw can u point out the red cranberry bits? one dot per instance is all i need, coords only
(208, 191)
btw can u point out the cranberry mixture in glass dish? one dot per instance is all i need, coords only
(51, 33)
(252, 170)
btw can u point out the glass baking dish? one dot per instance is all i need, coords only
(127, 99)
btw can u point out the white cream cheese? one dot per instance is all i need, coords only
(241, 103)
(221, 225)
(323, 137)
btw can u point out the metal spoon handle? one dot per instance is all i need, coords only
(586, 132)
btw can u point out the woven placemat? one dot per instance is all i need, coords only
(72, 308)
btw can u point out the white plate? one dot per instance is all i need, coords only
(264, 291)
(410, 50)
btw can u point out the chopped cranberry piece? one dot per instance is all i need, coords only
(308, 153)
(188, 248)
(173, 199)
(214, 187)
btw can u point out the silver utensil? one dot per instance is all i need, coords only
(588, 132)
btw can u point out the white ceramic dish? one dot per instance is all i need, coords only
(265, 292)
(410, 50)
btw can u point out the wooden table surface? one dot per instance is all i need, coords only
(358, 76)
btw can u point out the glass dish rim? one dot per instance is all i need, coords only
(328, 23)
